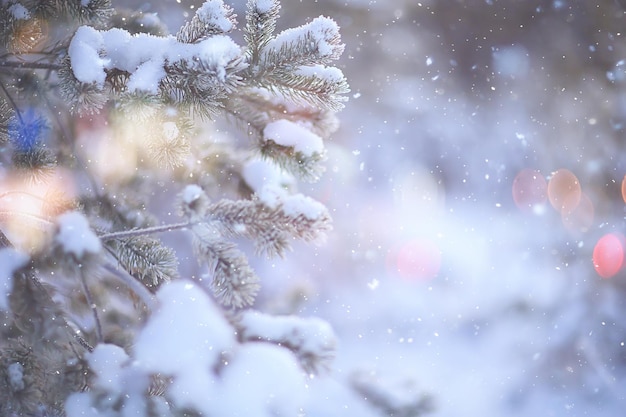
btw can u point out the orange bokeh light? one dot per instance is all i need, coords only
(564, 191)
(24, 204)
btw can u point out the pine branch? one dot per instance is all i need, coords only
(232, 280)
(144, 231)
(36, 314)
(315, 43)
(306, 167)
(317, 90)
(312, 340)
(272, 229)
(30, 65)
(200, 86)
(146, 259)
(6, 117)
(83, 98)
(259, 29)
(257, 107)
(212, 18)
(92, 306)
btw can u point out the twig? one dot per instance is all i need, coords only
(92, 306)
(30, 65)
(145, 231)
(13, 104)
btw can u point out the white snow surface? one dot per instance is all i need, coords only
(15, 372)
(106, 361)
(191, 193)
(75, 236)
(19, 12)
(10, 261)
(187, 333)
(264, 6)
(263, 380)
(308, 335)
(259, 173)
(269, 183)
(93, 52)
(185, 338)
(329, 74)
(287, 133)
(321, 30)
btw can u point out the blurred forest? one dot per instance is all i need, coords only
(477, 174)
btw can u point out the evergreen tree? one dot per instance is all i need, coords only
(99, 109)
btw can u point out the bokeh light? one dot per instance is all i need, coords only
(608, 255)
(564, 191)
(624, 189)
(25, 204)
(416, 259)
(529, 189)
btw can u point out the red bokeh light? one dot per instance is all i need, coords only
(608, 255)
(418, 259)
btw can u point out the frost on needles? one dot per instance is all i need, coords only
(106, 126)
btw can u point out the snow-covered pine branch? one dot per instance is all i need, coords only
(212, 18)
(99, 129)
(311, 339)
(261, 17)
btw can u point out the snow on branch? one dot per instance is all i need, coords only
(156, 65)
(295, 63)
(261, 17)
(75, 237)
(212, 18)
(231, 278)
(392, 395)
(267, 181)
(272, 222)
(10, 261)
(256, 221)
(317, 42)
(180, 355)
(146, 259)
(311, 339)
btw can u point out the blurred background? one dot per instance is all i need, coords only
(476, 185)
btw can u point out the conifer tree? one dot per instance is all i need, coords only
(99, 108)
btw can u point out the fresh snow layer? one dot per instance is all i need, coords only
(213, 13)
(268, 182)
(287, 133)
(75, 236)
(264, 6)
(320, 31)
(143, 56)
